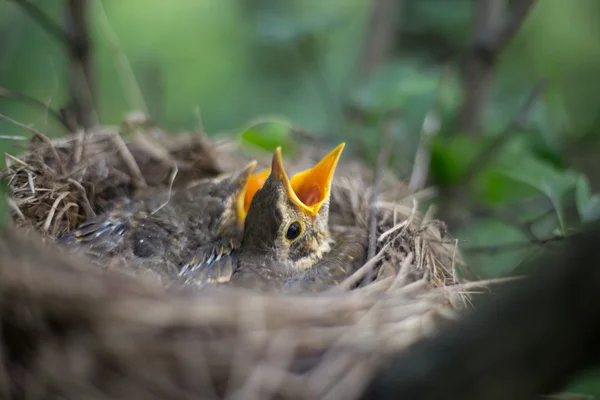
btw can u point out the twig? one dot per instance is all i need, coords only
(9, 94)
(133, 166)
(80, 76)
(382, 163)
(420, 171)
(40, 135)
(171, 181)
(45, 22)
(76, 41)
(53, 210)
(490, 37)
(511, 246)
(17, 138)
(430, 128)
(126, 75)
(380, 37)
(512, 26)
(89, 211)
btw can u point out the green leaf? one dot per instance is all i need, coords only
(268, 134)
(527, 169)
(452, 156)
(398, 85)
(492, 233)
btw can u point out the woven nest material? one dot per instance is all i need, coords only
(94, 333)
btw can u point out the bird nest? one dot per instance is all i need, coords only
(93, 332)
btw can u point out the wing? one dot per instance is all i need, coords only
(212, 263)
(103, 234)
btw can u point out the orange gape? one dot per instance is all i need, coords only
(308, 189)
(312, 186)
(255, 182)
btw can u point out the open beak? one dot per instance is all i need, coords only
(309, 189)
(244, 178)
(312, 186)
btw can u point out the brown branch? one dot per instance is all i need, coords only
(529, 339)
(42, 137)
(380, 37)
(77, 44)
(490, 37)
(123, 66)
(80, 77)
(12, 95)
(512, 26)
(45, 22)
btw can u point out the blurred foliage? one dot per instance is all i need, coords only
(232, 63)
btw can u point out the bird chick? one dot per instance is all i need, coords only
(170, 230)
(286, 234)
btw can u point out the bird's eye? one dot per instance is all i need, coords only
(293, 231)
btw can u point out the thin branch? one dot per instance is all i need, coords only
(81, 82)
(40, 135)
(490, 37)
(380, 37)
(430, 128)
(45, 22)
(383, 158)
(502, 247)
(126, 74)
(514, 23)
(76, 42)
(9, 94)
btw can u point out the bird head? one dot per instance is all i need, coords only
(288, 218)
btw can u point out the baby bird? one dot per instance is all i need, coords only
(286, 240)
(168, 231)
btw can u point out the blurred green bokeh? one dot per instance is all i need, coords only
(228, 64)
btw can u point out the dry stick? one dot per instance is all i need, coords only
(89, 211)
(76, 42)
(82, 88)
(53, 210)
(23, 98)
(17, 138)
(380, 37)
(45, 22)
(134, 168)
(41, 136)
(418, 177)
(490, 37)
(521, 11)
(382, 162)
(126, 74)
(430, 128)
